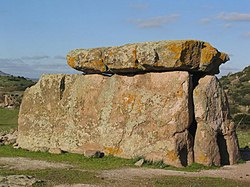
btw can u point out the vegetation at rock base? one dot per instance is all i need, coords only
(88, 171)
(107, 162)
(237, 87)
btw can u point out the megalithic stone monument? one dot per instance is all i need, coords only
(161, 101)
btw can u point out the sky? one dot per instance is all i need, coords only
(36, 35)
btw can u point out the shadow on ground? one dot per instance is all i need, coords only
(245, 153)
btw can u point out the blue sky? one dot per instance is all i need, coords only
(36, 35)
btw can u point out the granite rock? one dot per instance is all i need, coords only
(125, 116)
(187, 55)
(215, 138)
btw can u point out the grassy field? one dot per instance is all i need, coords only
(8, 119)
(107, 162)
(89, 170)
(66, 176)
(244, 138)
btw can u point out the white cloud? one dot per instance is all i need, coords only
(155, 22)
(229, 68)
(33, 67)
(206, 20)
(234, 16)
(35, 57)
(228, 25)
(139, 6)
(225, 69)
(60, 57)
(247, 34)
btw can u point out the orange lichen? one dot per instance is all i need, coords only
(129, 99)
(208, 53)
(202, 158)
(134, 54)
(71, 62)
(113, 150)
(98, 64)
(132, 102)
(175, 48)
(171, 155)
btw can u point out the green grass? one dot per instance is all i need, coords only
(244, 138)
(107, 162)
(8, 119)
(174, 181)
(191, 168)
(51, 177)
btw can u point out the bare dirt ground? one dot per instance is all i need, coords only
(20, 163)
(240, 172)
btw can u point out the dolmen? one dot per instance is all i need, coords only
(157, 100)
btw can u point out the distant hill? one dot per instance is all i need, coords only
(11, 89)
(4, 74)
(12, 83)
(237, 87)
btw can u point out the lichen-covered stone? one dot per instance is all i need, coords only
(126, 116)
(188, 55)
(215, 139)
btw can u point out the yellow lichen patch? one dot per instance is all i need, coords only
(134, 54)
(171, 155)
(98, 64)
(140, 105)
(113, 150)
(71, 61)
(132, 102)
(176, 49)
(224, 57)
(207, 54)
(202, 158)
(129, 99)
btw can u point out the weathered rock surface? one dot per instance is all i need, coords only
(143, 115)
(18, 180)
(140, 162)
(56, 151)
(188, 55)
(8, 138)
(215, 139)
(10, 100)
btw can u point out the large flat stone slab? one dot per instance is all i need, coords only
(144, 115)
(188, 55)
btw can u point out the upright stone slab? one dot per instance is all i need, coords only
(189, 55)
(143, 115)
(215, 139)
